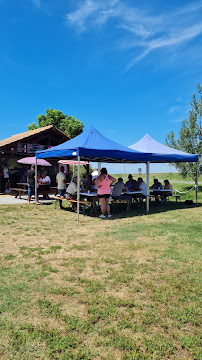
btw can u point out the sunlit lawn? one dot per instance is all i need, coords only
(126, 288)
(161, 176)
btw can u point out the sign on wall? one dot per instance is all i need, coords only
(30, 148)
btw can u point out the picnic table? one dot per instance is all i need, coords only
(92, 196)
(23, 189)
(177, 197)
(84, 201)
(132, 192)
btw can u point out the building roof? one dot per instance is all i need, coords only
(32, 133)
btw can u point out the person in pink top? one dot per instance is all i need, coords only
(103, 183)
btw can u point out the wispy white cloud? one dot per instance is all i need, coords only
(37, 3)
(78, 18)
(174, 109)
(42, 6)
(142, 31)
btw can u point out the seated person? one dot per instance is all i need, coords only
(72, 191)
(131, 184)
(84, 179)
(88, 186)
(156, 185)
(168, 186)
(118, 188)
(142, 186)
(46, 181)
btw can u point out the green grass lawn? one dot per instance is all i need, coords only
(161, 176)
(126, 288)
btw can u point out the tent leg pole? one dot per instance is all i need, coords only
(35, 182)
(147, 181)
(78, 187)
(196, 188)
(99, 168)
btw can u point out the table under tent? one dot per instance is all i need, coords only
(94, 147)
(162, 154)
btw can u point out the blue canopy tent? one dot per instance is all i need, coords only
(94, 147)
(160, 153)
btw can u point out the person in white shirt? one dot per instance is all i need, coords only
(142, 186)
(72, 187)
(118, 188)
(46, 181)
(72, 191)
(61, 181)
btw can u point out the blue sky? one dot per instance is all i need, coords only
(127, 67)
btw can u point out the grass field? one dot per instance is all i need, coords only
(161, 176)
(125, 288)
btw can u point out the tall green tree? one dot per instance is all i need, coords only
(190, 137)
(68, 124)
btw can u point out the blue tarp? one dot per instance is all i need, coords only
(92, 146)
(161, 153)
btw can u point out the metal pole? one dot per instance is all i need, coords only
(196, 188)
(78, 187)
(147, 180)
(35, 182)
(99, 168)
(73, 170)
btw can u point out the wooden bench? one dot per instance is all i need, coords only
(82, 203)
(19, 191)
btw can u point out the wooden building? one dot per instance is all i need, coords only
(26, 144)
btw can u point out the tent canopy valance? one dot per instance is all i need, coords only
(94, 147)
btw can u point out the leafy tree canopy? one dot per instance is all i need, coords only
(190, 137)
(68, 124)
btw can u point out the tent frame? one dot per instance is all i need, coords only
(99, 168)
(92, 146)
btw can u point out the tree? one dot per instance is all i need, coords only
(190, 137)
(68, 124)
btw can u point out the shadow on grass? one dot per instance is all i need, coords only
(119, 210)
(154, 209)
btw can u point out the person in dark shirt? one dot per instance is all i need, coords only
(131, 184)
(23, 171)
(31, 183)
(156, 185)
